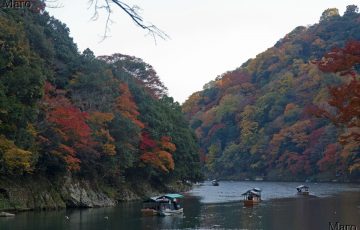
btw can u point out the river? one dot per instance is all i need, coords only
(216, 207)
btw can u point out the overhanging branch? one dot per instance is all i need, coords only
(131, 11)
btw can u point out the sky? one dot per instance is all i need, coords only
(207, 37)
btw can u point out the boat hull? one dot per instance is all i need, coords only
(303, 193)
(166, 212)
(169, 212)
(248, 203)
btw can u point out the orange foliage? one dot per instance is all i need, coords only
(289, 107)
(167, 144)
(69, 123)
(127, 107)
(72, 162)
(233, 78)
(100, 118)
(166, 160)
(161, 160)
(158, 154)
(297, 133)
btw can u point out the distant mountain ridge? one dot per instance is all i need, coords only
(256, 120)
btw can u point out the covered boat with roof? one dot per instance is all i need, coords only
(303, 190)
(252, 197)
(163, 205)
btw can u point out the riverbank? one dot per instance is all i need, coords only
(41, 193)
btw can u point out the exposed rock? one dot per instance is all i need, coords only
(40, 193)
(81, 195)
(6, 214)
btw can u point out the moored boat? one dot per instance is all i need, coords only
(252, 197)
(303, 190)
(215, 183)
(164, 205)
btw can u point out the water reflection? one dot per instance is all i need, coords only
(287, 211)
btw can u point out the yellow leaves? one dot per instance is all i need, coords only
(109, 149)
(5, 144)
(100, 118)
(16, 160)
(248, 112)
(355, 166)
(102, 134)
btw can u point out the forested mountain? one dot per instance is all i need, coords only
(63, 112)
(262, 118)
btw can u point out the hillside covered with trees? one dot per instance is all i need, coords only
(276, 117)
(104, 119)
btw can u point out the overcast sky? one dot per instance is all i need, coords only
(207, 37)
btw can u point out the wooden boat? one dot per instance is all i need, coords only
(252, 197)
(215, 183)
(164, 205)
(302, 190)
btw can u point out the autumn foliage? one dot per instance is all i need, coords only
(258, 119)
(345, 98)
(126, 105)
(64, 112)
(69, 125)
(157, 154)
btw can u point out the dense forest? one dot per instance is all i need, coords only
(69, 113)
(291, 113)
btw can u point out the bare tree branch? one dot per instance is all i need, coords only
(131, 11)
(53, 4)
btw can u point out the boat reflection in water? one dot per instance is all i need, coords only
(164, 205)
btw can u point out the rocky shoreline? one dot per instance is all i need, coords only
(43, 194)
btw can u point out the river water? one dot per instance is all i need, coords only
(216, 207)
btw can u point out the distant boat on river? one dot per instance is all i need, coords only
(303, 190)
(164, 205)
(215, 183)
(252, 197)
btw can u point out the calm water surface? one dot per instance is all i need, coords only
(212, 207)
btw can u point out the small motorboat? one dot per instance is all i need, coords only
(252, 197)
(164, 205)
(215, 183)
(302, 190)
